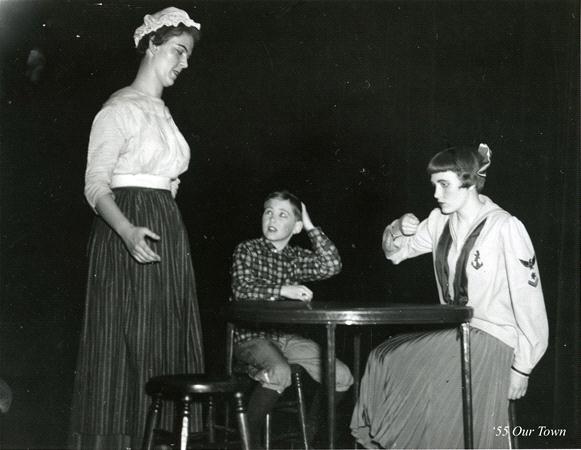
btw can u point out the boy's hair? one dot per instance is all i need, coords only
(292, 199)
(465, 162)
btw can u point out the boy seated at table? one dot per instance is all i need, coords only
(268, 268)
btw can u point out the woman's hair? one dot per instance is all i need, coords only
(163, 34)
(292, 199)
(465, 162)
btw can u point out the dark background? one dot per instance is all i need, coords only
(342, 102)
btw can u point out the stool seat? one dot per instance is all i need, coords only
(176, 386)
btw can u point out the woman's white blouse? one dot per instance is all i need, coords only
(133, 134)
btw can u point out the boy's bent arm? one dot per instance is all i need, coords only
(322, 262)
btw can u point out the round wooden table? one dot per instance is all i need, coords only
(331, 314)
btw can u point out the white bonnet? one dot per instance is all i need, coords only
(171, 17)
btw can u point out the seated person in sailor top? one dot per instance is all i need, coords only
(483, 258)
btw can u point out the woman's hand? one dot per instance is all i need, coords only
(296, 292)
(518, 385)
(408, 224)
(134, 239)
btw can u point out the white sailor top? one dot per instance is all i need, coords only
(501, 280)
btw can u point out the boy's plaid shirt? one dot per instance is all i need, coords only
(259, 270)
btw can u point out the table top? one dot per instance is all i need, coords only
(344, 313)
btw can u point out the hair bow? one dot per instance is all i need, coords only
(486, 155)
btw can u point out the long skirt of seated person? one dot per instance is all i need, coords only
(411, 392)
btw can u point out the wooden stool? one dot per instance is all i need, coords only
(182, 389)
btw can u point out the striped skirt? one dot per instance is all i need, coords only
(411, 394)
(141, 320)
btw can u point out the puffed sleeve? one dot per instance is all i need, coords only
(398, 247)
(106, 142)
(526, 295)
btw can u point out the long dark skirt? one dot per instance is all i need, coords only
(141, 320)
(411, 395)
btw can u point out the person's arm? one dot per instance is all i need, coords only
(106, 142)
(247, 283)
(174, 187)
(527, 303)
(323, 261)
(405, 238)
(133, 237)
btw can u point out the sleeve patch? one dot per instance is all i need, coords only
(530, 264)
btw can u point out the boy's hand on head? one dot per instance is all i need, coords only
(296, 292)
(307, 223)
(408, 224)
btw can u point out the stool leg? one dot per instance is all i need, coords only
(267, 419)
(185, 424)
(242, 421)
(227, 422)
(302, 413)
(151, 423)
(211, 421)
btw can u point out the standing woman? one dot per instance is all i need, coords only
(483, 258)
(141, 316)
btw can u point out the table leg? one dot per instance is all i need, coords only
(356, 370)
(466, 385)
(230, 327)
(356, 363)
(331, 383)
(512, 438)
